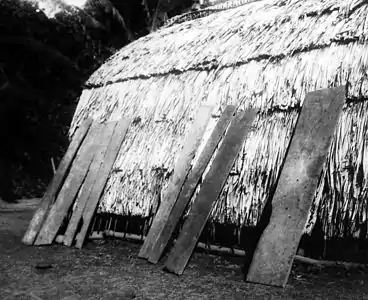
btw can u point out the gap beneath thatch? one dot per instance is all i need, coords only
(313, 246)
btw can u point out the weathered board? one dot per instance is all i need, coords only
(58, 179)
(89, 182)
(167, 226)
(209, 192)
(70, 187)
(103, 174)
(274, 254)
(180, 173)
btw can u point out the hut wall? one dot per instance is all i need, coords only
(270, 61)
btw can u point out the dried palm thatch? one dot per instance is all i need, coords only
(266, 54)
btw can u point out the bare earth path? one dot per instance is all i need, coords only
(113, 271)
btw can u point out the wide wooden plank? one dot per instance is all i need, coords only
(274, 254)
(209, 192)
(88, 185)
(70, 187)
(181, 170)
(166, 227)
(104, 172)
(53, 188)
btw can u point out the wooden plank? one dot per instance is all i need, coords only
(95, 195)
(274, 254)
(209, 192)
(167, 225)
(58, 179)
(87, 188)
(70, 188)
(181, 170)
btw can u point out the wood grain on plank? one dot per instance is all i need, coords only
(181, 170)
(209, 192)
(104, 172)
(70, 188)
(54, 187)
(92, 176)
(274, 254)
(167, 226)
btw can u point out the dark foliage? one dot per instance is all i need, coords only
(43, 63)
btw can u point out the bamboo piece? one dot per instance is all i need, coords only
(135, 237)
(231, 251)
(210, 190)
(177, 180)
(309, 146)
(57, 181)
(70, 188)
(103, 174)
(168, 225)
(89, 183)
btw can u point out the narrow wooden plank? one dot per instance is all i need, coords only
(167, 225)
(87, 188)
(274, 254)
(70, 188)
(58, 179)
(181, 170)
(209, 192)
(110, 157)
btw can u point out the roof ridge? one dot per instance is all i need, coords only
(204, 12)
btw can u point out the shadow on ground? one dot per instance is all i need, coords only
(112, 270)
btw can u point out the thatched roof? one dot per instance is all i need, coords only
(266, 54)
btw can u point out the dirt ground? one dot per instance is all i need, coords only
(111, 270)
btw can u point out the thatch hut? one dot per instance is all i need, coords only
(264, 54)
